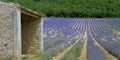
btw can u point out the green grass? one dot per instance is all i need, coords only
(74, 54)
(40, 57)
(5, 58)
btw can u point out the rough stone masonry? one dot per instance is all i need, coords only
(6, 30)
(20, 32)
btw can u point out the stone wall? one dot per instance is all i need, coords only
(6, 30)
(17, 22)
(30, 35)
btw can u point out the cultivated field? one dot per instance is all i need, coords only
(82, 39)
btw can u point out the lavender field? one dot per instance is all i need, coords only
(81, 38)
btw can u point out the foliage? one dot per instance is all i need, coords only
(6, 58)
(40, 57)
(73, 8)
(73, 54)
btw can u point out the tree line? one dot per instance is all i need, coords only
(73, 8)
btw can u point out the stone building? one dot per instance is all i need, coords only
(20, 31)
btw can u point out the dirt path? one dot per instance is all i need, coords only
(83, 55)
(66, 50)
(102, 48)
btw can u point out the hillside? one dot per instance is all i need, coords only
(74, 8)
